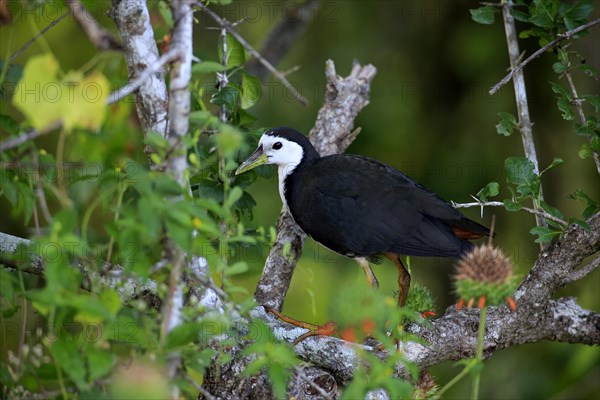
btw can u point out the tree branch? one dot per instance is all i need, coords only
(169, 56)
(332, 134)
(282, 37)
(101, 38)
(137, 37)
(16, 141)
(278, 74)
(454, 335)
(537, 212)
(560, 37)
(525, 126)
(36, 37)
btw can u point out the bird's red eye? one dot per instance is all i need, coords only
(277, 146)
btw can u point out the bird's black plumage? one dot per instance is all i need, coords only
(361, 207)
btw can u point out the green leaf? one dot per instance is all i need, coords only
(585, 151)
(519, 170)
(594, 100)
(519, 15)
(559, 67)
(588, 70)
(9, 124)
(182, 335)
(207, 67)
(507, 124)
(202, 118)
(100, 363)
(564, 105)
(555, 163)
(510, 205)
(251, 90)
(581, 10)
(237, 268)
(558, 89)
(235, 54)
(165, 12)
(228, 96)
(111, 300)
(543, 13)
(483, 15)
(89, 309)
(234, 195)
(490, 190)
(68, 357)
(74, 100)
(544, 234)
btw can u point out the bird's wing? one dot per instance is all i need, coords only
(366, 207)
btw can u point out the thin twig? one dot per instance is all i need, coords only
(169, 56)
(310, 383)
(13, 142)
(284, 36)
(578, 105)
(199, 388)
(583, 272)
(537, 212)
(101, 38)
(560, 38)
(36, 37)
(278, 74)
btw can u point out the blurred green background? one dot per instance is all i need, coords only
(429, 116)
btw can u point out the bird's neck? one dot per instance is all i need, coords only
(286, 171)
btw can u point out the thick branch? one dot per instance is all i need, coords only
(137, 37)
(454, 335)
(525, 125)
(332, 133)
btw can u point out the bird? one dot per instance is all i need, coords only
(362, 208)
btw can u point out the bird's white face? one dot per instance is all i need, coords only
(281, 152)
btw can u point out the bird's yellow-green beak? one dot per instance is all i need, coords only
(257, 158)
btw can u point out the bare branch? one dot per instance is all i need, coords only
(36, 37)
(282, 37)
(332, 133)
(169, 56)
(525, 125)
(583, 272)
(137, 37)
(538, 212)
(176, 163)
(278, 74)
(556, 264)
(101, 38)
(32, 134)
(560, 37)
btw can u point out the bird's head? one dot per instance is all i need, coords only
(283, 147)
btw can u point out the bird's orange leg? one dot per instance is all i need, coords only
(327, 329)
(403, 278)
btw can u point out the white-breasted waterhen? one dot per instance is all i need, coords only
(361, 207)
